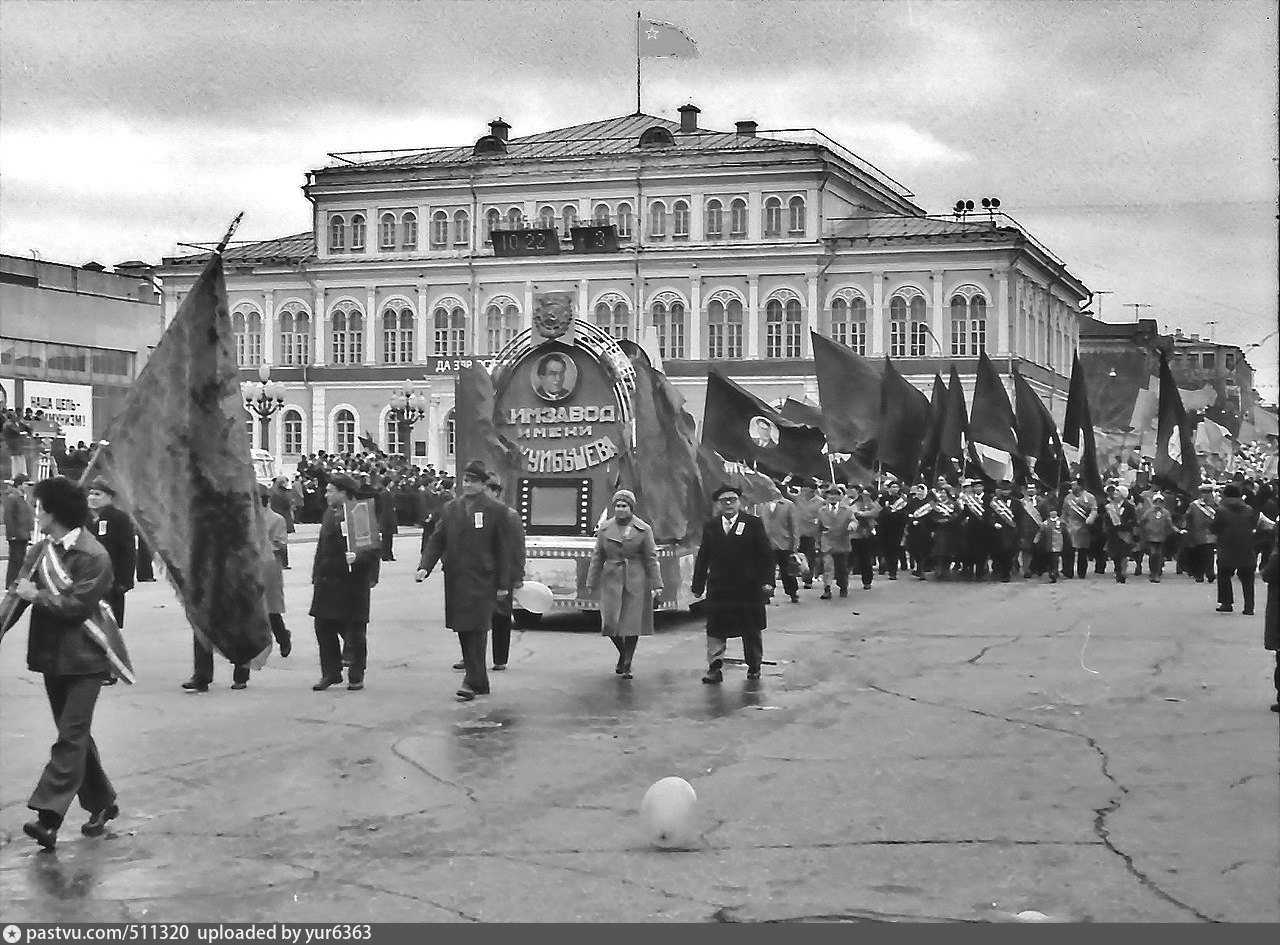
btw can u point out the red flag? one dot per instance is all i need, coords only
(849, 389)
(933, 427)
(179, 461)
(663, 41)
(1077, 429)
(1038, 438)
(1176, 464)
(904, 418)
(743, 428)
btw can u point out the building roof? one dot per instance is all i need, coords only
(294, 248)
(619, 135)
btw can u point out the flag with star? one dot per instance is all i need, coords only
(664, 41)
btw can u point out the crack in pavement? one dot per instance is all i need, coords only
(726, 915)
(1100, 813)
(1158, 666)
(370, 887)
(986, 649)
(395, 750)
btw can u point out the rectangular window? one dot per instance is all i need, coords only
(840, 332)
(715, 342)
(793, 340)
(978, 335)
(356, 343)
(286, 348)
(339, 347)
(919, 339)
(406, 346)
(1207, 360)
(253, 348)
(959, 338)
(858, 337)
(303, 344)
(293, 435)
(389, 345)
(897, 339)
(733, 341)
(773, 340)
(671, 341)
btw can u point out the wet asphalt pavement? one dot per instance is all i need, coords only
(921, 752)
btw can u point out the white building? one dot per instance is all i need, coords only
(731, 247)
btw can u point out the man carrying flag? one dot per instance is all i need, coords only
(69, 578)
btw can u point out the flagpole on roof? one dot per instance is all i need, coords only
(637, 62)
(230, 232)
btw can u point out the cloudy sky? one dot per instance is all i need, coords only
(1138, 140)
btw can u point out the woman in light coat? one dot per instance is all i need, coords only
(624, 568)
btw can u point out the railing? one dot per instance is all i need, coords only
(816, 137)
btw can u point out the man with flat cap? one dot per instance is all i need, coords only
(114, 531)
(472, 542)
(735, 566)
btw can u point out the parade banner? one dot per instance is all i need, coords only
(475, 431)
(933, 428)
(1077, 429)
(849, 391)
(953, 431)
(179, 461)
(1038, 438)
(1176, 464)
(742, 427)
(68, 406)
(904, 419)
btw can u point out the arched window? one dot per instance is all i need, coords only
(502, 323)
(439, 230)
(773, 217)
(773, 329)
(409, 231)
(397, 335)
(344, 430)
(669, 325)
(569, 216)
(347, 334)
(849, 323)
(919, 327)
(724, 329)
(978, 326)
(450, 330)
(714, 223)
(959, 326)
(614, 316)
(246, 326)
(624, 221)
(793, 324)
(357, 233)
(602, 214)
(738, 218)
(680, 219)
(295, 336)
(657, 219)
(337, 234)
(492, 221)
(461, 228)
(796, 226)
(515, 219)
(547, 218)
(393, 434)
(450, 436)
(387, 231)
(291, 425)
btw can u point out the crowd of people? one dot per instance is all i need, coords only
(809, 535)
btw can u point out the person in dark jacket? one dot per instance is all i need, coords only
(1271, 616)
(73, 667)
(1120, 530)
(385, 503)
(1235, 526)
(514, 542)
(19, 521)
(471, 540)
(115, 533)
(341, 581)
(735, 567)
(281, 501)
(1199, 540)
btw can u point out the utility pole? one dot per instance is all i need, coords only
(1135, 306)
(1099, 293)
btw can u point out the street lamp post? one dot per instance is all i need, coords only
(407, 408)
(264, 398)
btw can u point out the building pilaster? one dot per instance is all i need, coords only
(370, 326)
(753, 312)
(879, 346)
(317, 329)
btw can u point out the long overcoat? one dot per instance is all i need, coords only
(1121, 531)
(1078, 513)
(471, 543)
(1234, 526)
(624, 566)
(1200, 515)
(57, 644)
(277, 537)
(1271, 615)
(513, 541)
(280, 500)
(115, 533)
(733, 569)
(340, 591)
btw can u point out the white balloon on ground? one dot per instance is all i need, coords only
(669, 811)
(534, 597)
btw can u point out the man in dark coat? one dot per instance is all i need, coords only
(385, 503)
(281, 501)
(472, 541)
(74, 668)
(19, 521)
(735, 567)
(1234, 526)
(115, 533)
(341, 581)
(514, 542)
(1271, 616)
(1001, 519)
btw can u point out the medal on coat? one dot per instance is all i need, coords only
(738, 531)
(479, 520)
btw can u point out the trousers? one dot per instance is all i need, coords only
(500, 627)
(115, 600)
(330, 637)
(752, 650)
(474, 644)
(863, 559)
(783, 560)
(836, 562)
(809, 548)
(1225, 595)
(202, 661)
(74, 768)
(17, 552)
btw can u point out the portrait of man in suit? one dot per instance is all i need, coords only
(763, 432)
(554, 376)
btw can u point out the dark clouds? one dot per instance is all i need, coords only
(1135, 138)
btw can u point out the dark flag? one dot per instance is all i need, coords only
(953, 431)
(933, 427)
(476, 435)
(179, 461)
(1077, 429)
(797, 411)
(992, 426)
(741, 427)
(1038, 438)
(664, 458)
(715, 471)
(904, 420)
(1176, 464)
(369, 444)
(849, 389)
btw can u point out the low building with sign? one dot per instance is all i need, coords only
(73, 339)
(714, 249)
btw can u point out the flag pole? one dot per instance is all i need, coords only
(230, 232)
(637, 62)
